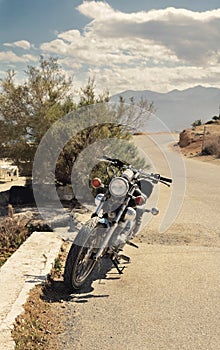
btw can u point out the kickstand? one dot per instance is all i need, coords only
(132, 244)
(124, 257)
(116, 264)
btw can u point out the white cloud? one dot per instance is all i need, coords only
(29, 58)
(189, 36)
(100, 52)
(57, 46)
(161, 79)
(70, 35)
(192, 36)
(69, 63)
(9, 56)
(163, 49)
(23, 44)
(97, 10)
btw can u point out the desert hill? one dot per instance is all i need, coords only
(178, 109)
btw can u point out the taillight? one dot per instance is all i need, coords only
(96, 182)
(139, 200)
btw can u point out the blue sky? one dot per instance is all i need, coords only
(157, 45)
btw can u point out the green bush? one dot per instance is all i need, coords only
(216, 117)
(196, 123)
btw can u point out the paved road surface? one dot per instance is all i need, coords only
(169, 296)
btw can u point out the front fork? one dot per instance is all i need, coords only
(105, 241)
(110, 231)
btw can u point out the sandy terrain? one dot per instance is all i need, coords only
(199, 141)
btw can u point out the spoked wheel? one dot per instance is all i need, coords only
(80, 260)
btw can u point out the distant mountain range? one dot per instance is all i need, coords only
(178, 109)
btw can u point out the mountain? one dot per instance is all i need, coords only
(178, 109)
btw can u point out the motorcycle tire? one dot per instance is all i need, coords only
(79, 263)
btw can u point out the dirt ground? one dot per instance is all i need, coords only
(194, 151)
(195, 148)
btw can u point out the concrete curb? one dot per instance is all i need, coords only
(27, 267)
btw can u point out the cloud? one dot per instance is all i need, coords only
(185, 35)
(97, 10)
(191, 36)
(10, 56)
(161, 79)
(101, 52)
(163, 49)
(69, 63)
(70, 35)
(57, 46)
(23, 44)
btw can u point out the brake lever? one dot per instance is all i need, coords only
(105, 160)
(163, 182)
(116, 162)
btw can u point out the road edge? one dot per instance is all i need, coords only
(26, 268)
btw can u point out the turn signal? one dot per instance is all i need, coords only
(96, 182)
(139, 200)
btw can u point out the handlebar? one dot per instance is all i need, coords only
(153, 177)
(166, 179)
(115, 161)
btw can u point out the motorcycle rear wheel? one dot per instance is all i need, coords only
(80, 263)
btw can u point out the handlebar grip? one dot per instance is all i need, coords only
(166, 179)
(115, 161)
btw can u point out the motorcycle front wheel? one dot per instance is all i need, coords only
(80, 263)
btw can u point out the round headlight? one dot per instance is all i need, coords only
(118, 187)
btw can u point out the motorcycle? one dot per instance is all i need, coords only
(120, 206)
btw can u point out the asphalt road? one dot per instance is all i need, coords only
(169, 295)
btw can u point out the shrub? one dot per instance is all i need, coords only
(216, 117)
(13, 232)
(196, 123)
(212, 146)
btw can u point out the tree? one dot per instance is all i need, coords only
(110, 121)
(28, 110)
(134, 114)
(88, 97)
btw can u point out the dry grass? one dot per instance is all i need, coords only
(212, 145)
(13, 232)
(34, 327)
(38, 328)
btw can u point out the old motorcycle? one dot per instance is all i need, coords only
(115, 222)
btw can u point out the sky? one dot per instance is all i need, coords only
(154, 45)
